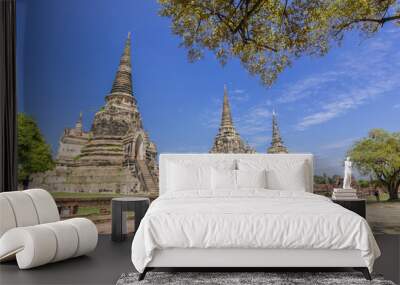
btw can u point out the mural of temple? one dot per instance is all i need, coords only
(116, 155)
(72, 142)
(277, 145)
(228, 139)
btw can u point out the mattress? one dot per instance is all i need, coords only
(250, 219)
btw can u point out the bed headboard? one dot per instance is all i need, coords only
(281, 162)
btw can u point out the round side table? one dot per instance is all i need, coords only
(119, 207)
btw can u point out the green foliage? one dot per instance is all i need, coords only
(325, 179)
(268, 35)
(378, 155)
(363, 183)
(319, 179)
(34, 154)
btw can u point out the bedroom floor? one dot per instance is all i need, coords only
(110, 260)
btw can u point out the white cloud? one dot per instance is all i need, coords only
(328, 165)
(357, 79)
(307, 87)
(238, 91)
(239, 95)
(344, 143)
(259, 141)
(211, 118)
(347, 101)
(254, 121)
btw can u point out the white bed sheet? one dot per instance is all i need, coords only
(251, 218)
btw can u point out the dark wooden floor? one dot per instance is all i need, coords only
(110, 260)
(103, 266)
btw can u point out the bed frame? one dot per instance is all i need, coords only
(242, 259)
(245, 258)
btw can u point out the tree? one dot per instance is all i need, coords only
(378, 155)
(318, 179)
(267, 35)
(364, 183)
(34, 154)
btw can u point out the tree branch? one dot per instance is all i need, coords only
(381, 21)
(247, 15)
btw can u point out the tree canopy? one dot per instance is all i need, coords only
(267, 35)
(378, 155)
(34, 154)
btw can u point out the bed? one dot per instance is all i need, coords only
(247, 210)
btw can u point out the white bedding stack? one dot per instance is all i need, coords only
(344, 194)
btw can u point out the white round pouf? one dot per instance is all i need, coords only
(40, 244)
(67, 240)
(87, 234)
(33, 246)
(31, 231)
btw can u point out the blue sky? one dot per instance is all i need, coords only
(68, 52)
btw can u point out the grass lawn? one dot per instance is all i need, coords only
(86, 211)
(384, 197)
(95, 211)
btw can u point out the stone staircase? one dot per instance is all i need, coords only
(150, 185)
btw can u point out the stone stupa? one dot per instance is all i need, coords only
(277, 145)
(116, 155)
(228, 139)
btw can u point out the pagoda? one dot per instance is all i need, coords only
(119, 117)
(116, 155)
(72, 142)
(228, 139)
(277, 145)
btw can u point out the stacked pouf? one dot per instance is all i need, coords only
(31, 230)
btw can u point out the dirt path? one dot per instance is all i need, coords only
(384, 217)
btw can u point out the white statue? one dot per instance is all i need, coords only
(347, 174)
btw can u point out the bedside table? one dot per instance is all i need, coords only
(119, 207)
(357, 205)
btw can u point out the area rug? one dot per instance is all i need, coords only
(243, 278)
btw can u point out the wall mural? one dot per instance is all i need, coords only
(108, 152)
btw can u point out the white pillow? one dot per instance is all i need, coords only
(188, 177)
(282, 174)
(293, 180)
(251, 178)
(223, 179)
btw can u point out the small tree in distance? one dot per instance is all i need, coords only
(34, 154)
(378, 155)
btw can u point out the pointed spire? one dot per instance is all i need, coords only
(275, 129)
(79, 124)
(123, 78)
(227, 139)
(276, 143)
(226, 118)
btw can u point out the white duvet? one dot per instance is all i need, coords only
(250, 219)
